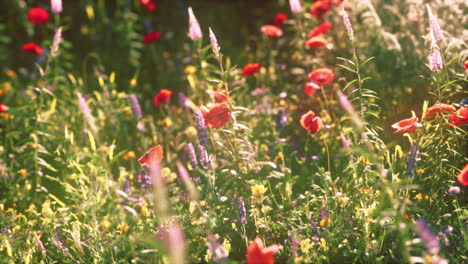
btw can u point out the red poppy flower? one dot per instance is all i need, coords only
(462, 177)
(271, 31)
(32, 48)
(465, 65)
(149, 5)
(311, 122)
(3, 108)
(151, 37)
(310, 88)
(460, 117)
(320, 7)
(316, 42)
(406, 125)
(250, 69)
(441, 107)
(38, 16)
(321, 76)
(279, 19)
(162, 97)
(322, 28)
(155, 154)
(220, 96)
(257, 254)
(216, 116)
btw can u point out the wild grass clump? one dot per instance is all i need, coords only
(331, 132)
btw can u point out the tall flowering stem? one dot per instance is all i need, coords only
(219, 57)
(201, 128)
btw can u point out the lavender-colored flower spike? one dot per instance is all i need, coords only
(241, 210)
(194, 27)
(431, 241)
(145, 180)
(434, 24)
(214, 43)
(435, 58)
(56, 43)
(203, 156)
(412, 159)
(191, 155)
(281, 119)
(348, 26)
(295, 6)
(217, 251)
(84, 107)
(136, 109)
(184, 101)
(201, 128)
(56, 6)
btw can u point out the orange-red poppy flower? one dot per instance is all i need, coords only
(316, 42)
(462, 177)
(271, 31)
(38, 16)
(280, 18)
(151, 37)
(250, 69)
(460, 117)
(32, 48)
(216, 116)
(257, 254)
(437, 108)
(322, 28)
(311, 122)
(155, 154)
(321, 76)
(221, 96)
(406, 125)
(319, 8)
(162, 97)
(310, 88)
(3, 108)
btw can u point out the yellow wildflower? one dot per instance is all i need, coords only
(133, 82)
(419, 196)
(5, 116)
(258, 189)
(122, 228)
(22, 172)
(129, 155)
(104, 225)
(10, 73)
(191, 132)
(189, 70)
(326, 222)
(306, 245)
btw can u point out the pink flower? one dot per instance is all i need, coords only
(56, 6)
(194, 27)
(295, 6)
